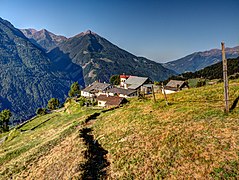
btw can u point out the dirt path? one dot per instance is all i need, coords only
(96, 164)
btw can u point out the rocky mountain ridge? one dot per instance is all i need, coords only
(43, 38)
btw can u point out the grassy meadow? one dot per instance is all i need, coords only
(49, 146)
(192, 138)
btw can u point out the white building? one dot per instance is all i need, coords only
(95, 89)
(174, 86)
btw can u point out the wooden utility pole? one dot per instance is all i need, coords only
(165, 97)
(225, 79)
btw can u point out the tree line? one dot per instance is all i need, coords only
(211, 72)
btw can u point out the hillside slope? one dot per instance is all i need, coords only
(46, 147)
(190, 138)
(28, 78)
(200, 60)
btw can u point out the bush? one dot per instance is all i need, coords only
(201, 83)
(115, 79)
(75, 90)
(53, 104)
(82, 101)
(5, 116)
(41, 111)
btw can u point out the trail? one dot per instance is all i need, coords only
(96, 164)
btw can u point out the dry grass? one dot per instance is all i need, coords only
(191, 138)
(62, 162)
(47, 151)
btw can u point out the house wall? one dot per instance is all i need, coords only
(122, 81)
(131, 95)
(168, 91)
(101, 103)
(86, 94)
(184, 88)
(100, 93)
(146, 90)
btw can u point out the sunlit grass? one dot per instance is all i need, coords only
(27, 144)
(191, 138)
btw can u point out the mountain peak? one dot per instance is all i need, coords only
(43, 31)
(43, 38)
(89, 32)
(85, 33)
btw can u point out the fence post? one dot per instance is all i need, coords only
(225, 79)
(165, 97)
(153, 93)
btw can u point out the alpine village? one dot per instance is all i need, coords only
(83, 108)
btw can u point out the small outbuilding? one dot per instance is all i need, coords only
(110, 101)
(126, 93)
(174, 86)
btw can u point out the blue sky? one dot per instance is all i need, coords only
(161, 30)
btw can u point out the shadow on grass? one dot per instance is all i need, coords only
(94, 167)
(92, 117)
(234, 104)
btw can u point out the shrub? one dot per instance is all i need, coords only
(5, 116)
(115, 79)
(53, 104)
(201, 83)
(75, 90)
(41, 111)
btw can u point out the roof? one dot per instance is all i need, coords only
(148, 85)
(124, 76)
(111, 100)
(96, 86)
(170, 88)
(175, 83)
(121, 91)
(134, 81)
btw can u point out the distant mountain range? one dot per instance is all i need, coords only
(43, 65)
(200, 60)
(99, 58)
